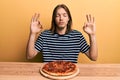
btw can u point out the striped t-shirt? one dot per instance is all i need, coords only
(61, 47)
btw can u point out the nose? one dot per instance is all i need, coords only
(61, 17)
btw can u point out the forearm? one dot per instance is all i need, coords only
(31, 52)
(93, 52)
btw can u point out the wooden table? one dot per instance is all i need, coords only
(30, 71)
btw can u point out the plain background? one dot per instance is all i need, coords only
(15, 17)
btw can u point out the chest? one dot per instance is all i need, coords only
(61, 43)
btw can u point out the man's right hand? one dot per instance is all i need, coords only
(35, 25)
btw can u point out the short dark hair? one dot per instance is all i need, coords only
(53, 23)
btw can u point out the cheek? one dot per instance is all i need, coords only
(67, 20)
(56, 20)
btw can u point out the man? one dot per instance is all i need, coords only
(61, 42)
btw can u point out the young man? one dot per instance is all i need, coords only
(61, 42)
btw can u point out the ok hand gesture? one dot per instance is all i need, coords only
(89, 26)
(35, 26)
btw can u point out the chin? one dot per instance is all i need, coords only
(61, 27)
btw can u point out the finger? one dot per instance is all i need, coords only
(37, 16)
(32, 19)
(88, 19)
(40, 26)
(39, 23)
(93, 20)
(85, 24)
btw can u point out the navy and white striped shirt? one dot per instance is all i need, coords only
(61, 47)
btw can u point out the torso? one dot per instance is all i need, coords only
(61, 47)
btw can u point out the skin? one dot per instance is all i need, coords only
(89, 28)
(61, 21)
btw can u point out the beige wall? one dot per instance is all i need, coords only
(15, 18)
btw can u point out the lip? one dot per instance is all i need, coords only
(61, 23)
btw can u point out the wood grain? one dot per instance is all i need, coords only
(30, 71)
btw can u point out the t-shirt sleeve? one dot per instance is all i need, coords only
(84, 47)
(39, 43)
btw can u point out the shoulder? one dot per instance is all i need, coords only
(75, 32)
(46, 32)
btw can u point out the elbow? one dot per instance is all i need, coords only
(94, 58)
(28, 56)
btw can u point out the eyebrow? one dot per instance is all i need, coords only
(61, 13)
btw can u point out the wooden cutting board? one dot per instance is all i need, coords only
(59, 77)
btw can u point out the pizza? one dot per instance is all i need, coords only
(59, 68)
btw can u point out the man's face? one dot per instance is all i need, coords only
(61, 18)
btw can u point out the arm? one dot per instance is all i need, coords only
(93, 51)
(35, 28)
(89, 28)
(31, 51)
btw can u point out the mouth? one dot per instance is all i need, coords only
(61, 23)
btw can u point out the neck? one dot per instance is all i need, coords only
(61, 31)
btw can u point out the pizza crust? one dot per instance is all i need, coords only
(59, 74)
(59, 68)
(59, 77)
